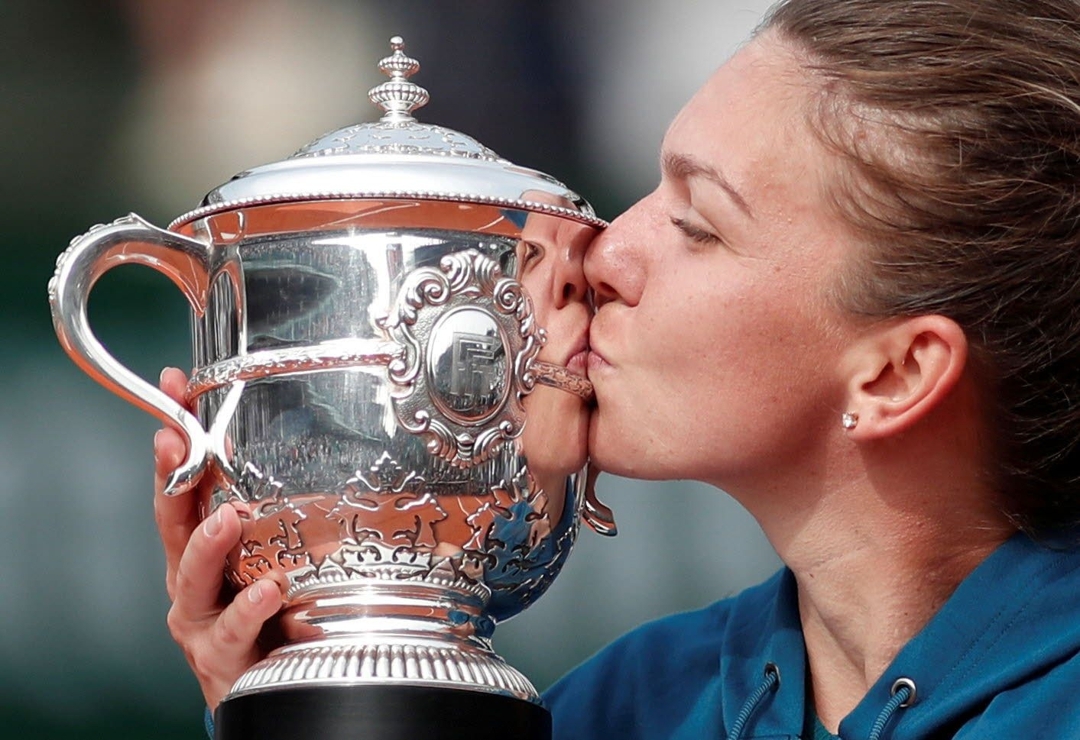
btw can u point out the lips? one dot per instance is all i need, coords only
(596, 363)
(578, 361)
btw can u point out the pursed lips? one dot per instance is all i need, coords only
(595, 360)
(579, 356)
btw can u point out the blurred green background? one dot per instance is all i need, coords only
(109, 107)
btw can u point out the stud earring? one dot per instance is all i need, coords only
(849, 420)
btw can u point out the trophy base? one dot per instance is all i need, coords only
(379, 712)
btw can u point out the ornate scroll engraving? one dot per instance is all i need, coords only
(389, 524)
(387, 515)
(470, 339)
(559, 377)
(389, 547)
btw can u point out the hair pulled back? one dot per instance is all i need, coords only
(959, 123)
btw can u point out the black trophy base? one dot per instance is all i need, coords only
(379, 712)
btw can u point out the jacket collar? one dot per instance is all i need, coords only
(1011, 618)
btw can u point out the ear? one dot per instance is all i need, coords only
(901, 371)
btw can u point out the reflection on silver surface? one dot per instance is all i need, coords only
(390, 390)
(466, 291)
(466, 365)
(368, 394)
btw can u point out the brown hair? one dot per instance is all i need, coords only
(960, 121)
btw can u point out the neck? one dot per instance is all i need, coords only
(860, 604)
(876, 556)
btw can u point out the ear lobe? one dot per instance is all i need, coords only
(908, 368)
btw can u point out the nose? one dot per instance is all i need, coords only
(568, 281)
(614, 265)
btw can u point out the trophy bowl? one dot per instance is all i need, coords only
(389, 339)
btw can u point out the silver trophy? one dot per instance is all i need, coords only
(389, 342)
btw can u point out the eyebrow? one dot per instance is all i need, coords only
(683, 167)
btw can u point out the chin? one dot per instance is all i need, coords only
(611, 451)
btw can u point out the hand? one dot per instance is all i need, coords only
(219, 637)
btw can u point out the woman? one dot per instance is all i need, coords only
(853, 303)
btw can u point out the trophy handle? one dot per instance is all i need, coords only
(594, 512)
(131, 240)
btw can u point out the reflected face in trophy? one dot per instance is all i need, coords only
(550, 256)
(715, 342)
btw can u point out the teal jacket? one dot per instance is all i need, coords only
(1001, 659)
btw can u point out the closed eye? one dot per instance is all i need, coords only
(697, 234)
(533, 251)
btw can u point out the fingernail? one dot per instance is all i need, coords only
(257, 593)
(164, 370)
(157, 439)
(213, 523)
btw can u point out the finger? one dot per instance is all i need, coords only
(233, 644)
(170, 449)
(237, 629)
(199, 577)
(174, 383)
(169, 452)
(176, 516)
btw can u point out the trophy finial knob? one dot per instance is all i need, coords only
(398, 97)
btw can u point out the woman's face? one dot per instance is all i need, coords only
(715, 347)
(550, 257)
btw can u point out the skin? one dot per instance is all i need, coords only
(550, 267)
(708, 311)
(219, 638)
(718, 355)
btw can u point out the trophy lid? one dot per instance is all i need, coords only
(396, 157)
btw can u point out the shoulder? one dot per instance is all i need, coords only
(656, 676)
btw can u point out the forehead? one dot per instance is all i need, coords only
(749, 121)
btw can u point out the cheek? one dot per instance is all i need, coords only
(554, 440)
(727, 333)
(724, 378)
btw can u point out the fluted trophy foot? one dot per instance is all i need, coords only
(380, 712)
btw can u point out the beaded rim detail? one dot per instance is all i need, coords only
(526, 205)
